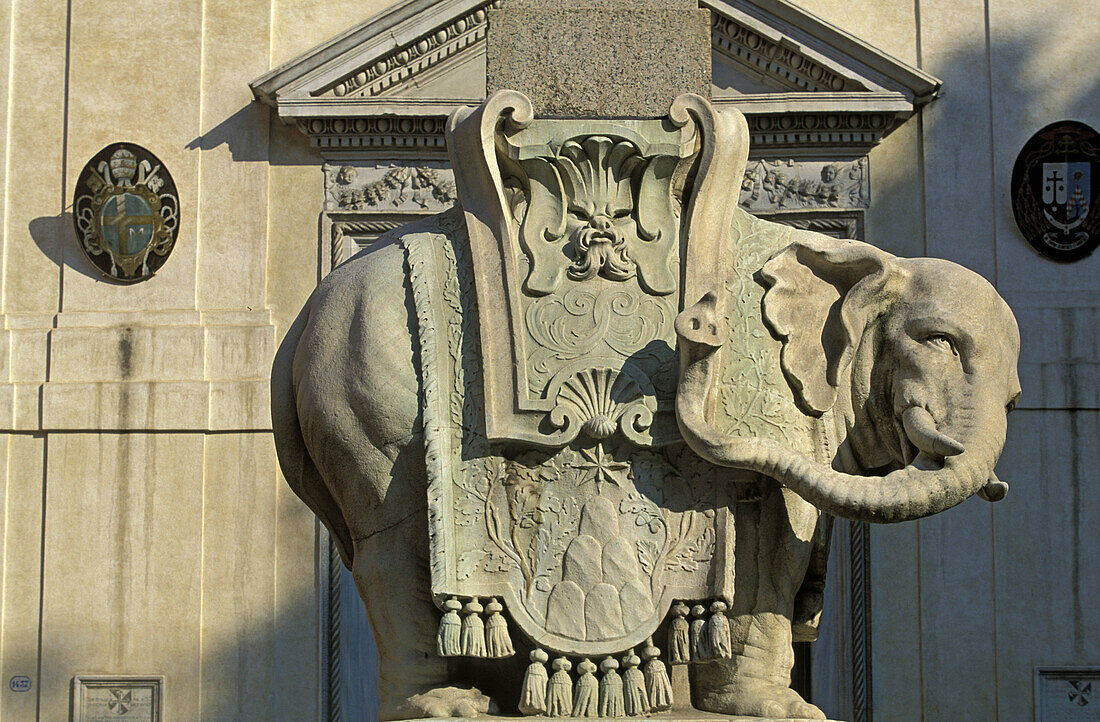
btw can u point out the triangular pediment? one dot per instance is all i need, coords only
(421, 59)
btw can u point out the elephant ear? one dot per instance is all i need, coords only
(822, 294)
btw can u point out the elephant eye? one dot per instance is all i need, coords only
(941, 341)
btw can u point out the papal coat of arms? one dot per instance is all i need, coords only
(1053, 196)
(126, 212)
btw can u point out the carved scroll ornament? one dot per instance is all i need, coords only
(577, 230)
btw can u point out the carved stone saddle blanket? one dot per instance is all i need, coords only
(587, 545)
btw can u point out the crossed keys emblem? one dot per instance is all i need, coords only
(1079, 691)
(120, 701)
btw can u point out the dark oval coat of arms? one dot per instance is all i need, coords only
(126, 212)
(1053, 198)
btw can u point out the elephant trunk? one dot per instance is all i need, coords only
(928, 485)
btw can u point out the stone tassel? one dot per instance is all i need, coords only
(611, 689)
(700, 650)
(718, 632)
(473, 629)
(498, 643)
(559, 695)
(449, 639)
(679, 640)
(586, 696)
(635, 702)
(532, 696)
(657, 684)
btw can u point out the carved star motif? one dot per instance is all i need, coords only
(604, 468)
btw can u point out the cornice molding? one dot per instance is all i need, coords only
(834, 93)
(776, 58)
(803, 34)
(405, 23)
(414, 58)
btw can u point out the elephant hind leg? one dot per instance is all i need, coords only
(392, 575)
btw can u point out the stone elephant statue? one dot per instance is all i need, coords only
(816, 375)
(913, 361)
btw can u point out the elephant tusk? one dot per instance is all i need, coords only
(994, 489)
(920, 427)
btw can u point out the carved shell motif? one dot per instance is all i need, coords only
(601, 400)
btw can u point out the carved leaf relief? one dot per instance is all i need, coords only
(754, 397)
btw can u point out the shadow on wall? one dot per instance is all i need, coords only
(353, 658)
(245, 134)
(56, 238)
(968, 603)
(254, 662)
(264, 669)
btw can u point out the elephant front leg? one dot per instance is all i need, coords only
(393, 578)
(756, 681)
(772, 550)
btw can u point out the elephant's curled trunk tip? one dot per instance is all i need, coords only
(698, 327)
(994, 489)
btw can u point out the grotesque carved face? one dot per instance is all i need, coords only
(599, 248)
(604, 208)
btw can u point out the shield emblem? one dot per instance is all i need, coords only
(1065, 198)
(127, 222)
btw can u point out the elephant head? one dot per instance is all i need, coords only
(915, 357)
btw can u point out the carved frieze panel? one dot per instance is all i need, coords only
(835, 223)
(364, 199)
(778, 185)
(101, 697)
(387, 187)
(345, 234)
(1067, 694)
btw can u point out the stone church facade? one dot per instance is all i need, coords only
(149, 542)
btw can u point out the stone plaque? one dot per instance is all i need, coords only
(110, 699)
(1067, 694)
